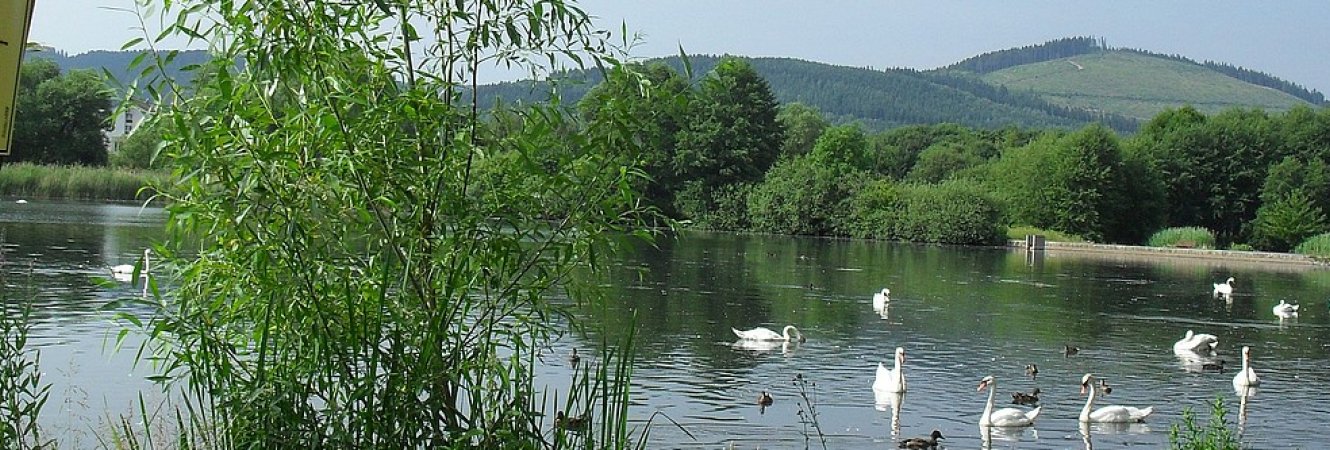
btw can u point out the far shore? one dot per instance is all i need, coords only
(1226, 258)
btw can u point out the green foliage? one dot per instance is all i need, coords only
(1318, 246)
(803, 195)
(59, 117)
(940, 161)
(139, 149)
(844, 146)
(1286, 222)
(1241, 247)
(1190, 237)
(375, 263)
(803, 125)
(77, 182)
(22, 392)
(1215, 435)
(953, 212)
(1020, 232)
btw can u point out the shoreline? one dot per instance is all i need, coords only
(1202, 256)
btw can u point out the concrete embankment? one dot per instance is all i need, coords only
(1176, 254)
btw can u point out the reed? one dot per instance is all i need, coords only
(1214, 435)
(1188, 237)
(25, 180)
(23, 394)
(1316, 246)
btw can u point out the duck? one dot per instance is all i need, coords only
(765, 334)
(880, 299)
(1068, 350)
(765, 399)
(1285, 310)
(1021, 398)
(920, 443)
(571, 423)
(573, 358)
(1109, 414)
(1216, 366)
(1247, 376)
(891, 380)
(1225, 288)
(1196, 343)
(1005, 417)
(1032, 370)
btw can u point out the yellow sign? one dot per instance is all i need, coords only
(15, 16)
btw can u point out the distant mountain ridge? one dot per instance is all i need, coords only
(117, 62)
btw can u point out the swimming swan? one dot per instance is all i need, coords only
(765, 334)
(891, 380)
(1112, 413)
(1246, 377)
(1197, 343)
(880, 299)
(1285, 310)
(1225, 288)
(1005, 417)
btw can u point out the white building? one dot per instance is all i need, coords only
(124, 125)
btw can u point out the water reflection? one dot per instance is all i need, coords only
(757, 347)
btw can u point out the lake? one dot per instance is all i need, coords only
(960, 313)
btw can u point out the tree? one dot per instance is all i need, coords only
(139, 149)
(843, 147)
(60, 117)
(1286, 222)
(732, 135)
(803, 124)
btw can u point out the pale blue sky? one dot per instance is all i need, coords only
(1286, 38)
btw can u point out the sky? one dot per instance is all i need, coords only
(1288, 38)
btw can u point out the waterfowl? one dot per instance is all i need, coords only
(1112, 413)
(571, 423)
(1225, 288)
(891, 380)
(1068, 350)
(21, 201)
(1197, 343)
(1005, 417)
(1247, 376)
(918, 443)
(1285, 310)
(1216, 366)
(765, 334)
(127, 270)
(880, 299)
(1021, 398)
(1032, 370)
(764, 399)
(573, 359)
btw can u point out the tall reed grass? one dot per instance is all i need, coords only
(1317, 246)
(76, 182)
(1190, 237)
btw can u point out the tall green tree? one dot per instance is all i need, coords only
(732, 135)
(803, 124)
(60, 117)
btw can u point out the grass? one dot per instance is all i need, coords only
(76, 182)
(1316, 246)
(1019, 233)
(1215, 435)
(1136, 85)
(1184, 237)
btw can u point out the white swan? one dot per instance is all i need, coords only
(1196, 343)
(891, 380)
(1112, 413)
(1285, 310)
(880, 299)
(1225, 288)
(765, 334)
(1246, 377)
(125, 272)
(1005, 417)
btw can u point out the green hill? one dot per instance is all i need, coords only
(1136, 84)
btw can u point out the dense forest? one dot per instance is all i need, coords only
(724, 153)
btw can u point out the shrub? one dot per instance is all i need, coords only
(802, 196)
(1019, 232)
(955, 212)
(1281, 224)
(1241, 247)
(1192, 237)
(1318, 246)
(1215, 435)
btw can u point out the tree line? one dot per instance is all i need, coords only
(722, 154)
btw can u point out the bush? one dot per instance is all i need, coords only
(1214, 436)
(1241, 247)
(1285, 222)
(1019, 232)
(802, 196)
(954, 212)
(1189, 237)
(1318, 246)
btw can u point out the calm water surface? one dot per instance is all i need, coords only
(960, 313)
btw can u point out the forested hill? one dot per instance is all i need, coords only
(1059, 49)
(118, 62)
(879, 99)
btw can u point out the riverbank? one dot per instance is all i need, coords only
(32, 181)
(1120, 252)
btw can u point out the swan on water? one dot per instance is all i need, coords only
(765, 334)
(1247, 376)
(1225, 288)
(891, 380)
(1196, 343)
(1005, 417)
(880, 299)
(1285, 310)
(1111, 413)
